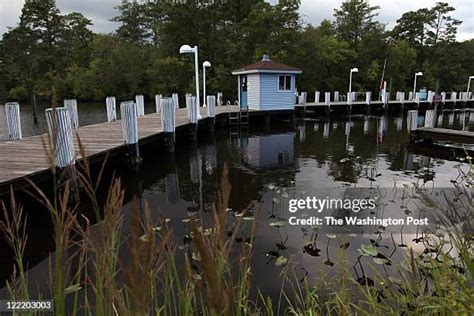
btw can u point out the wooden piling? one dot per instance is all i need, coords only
(12, 111)
(175, 97)
(140, 104)
(111, 105)
(158, 98)
(61, 136)
(193, 115)
(71, 106)
(412, 120)
(129, 113)
(430, 116)
(168, 118)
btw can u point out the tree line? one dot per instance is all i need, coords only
(53, 55)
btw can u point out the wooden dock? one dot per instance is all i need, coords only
(28, 158)
(435, 135)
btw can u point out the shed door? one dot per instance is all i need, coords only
(243, 91)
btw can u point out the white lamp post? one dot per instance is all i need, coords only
(419, 73)
(186, 49)
(349, 95)
(350, 78)
(205, 65)
(469, 85)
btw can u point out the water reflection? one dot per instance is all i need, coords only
(269, 167)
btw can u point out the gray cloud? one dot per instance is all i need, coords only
(312, 11)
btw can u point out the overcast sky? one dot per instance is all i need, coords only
(312, 11)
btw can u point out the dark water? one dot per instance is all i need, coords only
(268, 166)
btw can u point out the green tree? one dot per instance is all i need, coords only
(133, 21)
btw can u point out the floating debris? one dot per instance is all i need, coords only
(281, 261)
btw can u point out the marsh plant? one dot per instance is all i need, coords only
(101, 267)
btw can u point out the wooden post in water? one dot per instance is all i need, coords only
(327, 99)
(12, 111)
(111, 105)
(193, 115)
(158, 98)
(140, 104)
(61, 137)
(417, 99)
(129, 113)
(211, 111)
(430, 116)
(175, 97)
(412, 120)
(168, 118)
(61, 140)
(71, 106)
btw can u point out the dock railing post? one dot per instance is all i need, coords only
(60, 135)
(417, 99)
(220, 99)
(168, 118)
(140, 104)
(443, 97)
(327, 99)
(71, 106)
(412, 120)
(336, 96)
(410, 96)
(317, 95)
(193, 115)
(304, 97)
(158, 98)
(175, 97)
(111, 106)
(12, 111)
(402, 98)
(368, 98)
(453, 97)
(211, 111)
(129, 113)
(349, 100)
(430, 117)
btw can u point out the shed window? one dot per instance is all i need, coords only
(284, 83)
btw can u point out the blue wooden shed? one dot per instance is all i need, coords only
(267, 85)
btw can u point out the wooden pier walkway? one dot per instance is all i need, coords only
(442, 135)
(28, 157)
(378, 103)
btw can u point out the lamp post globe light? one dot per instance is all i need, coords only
(419, 73)
(186, 49)
(205, 65)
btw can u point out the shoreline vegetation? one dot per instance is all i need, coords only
(51, 56)
(94, 270)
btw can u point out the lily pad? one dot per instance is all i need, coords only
(281, 261)
(368, 250)
(277, 224)
(381, 260)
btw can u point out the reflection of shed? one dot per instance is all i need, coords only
(267, 85)
(270, 151)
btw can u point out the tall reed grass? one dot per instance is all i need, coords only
(96, 270)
